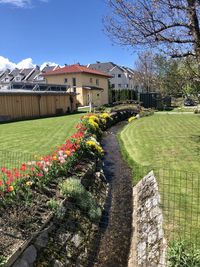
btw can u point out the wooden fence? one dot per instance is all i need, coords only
(22, 105)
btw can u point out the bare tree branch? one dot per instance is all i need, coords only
(173, 24)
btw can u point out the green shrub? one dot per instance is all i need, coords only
(196, 111)
(2, 261)
(53, 204)
(100, 109)
(183, 254)
(57, 208)
(73, 189)
(146, 112)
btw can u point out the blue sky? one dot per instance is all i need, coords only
(61, 31)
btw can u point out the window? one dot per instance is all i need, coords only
(113, 75)
(97, 81)
(73, 82)
(98, 95)
(119, 85)
(91, 81)
(113, 85)
(127, 85)
(65, 80)
(40, 78)
(18, 78)
(119, 75)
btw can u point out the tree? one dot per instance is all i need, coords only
(169, 78)
(176, 76)
(144, 71)
(171, 25)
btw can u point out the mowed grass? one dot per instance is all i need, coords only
(169, 145)
(22, 141)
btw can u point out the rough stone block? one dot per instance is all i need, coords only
(58, 264)
(30, 254)
(21, 263)
(76, 239)
(148, 240)
(42, 240)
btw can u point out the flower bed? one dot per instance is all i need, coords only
(26, 193)
(15, 184)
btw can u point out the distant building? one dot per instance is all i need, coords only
(27, 78)
(90, 85)
(121, 77)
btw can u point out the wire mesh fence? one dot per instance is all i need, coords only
(180, 202)
(11, 159)
(180, 194)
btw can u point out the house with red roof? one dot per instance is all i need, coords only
(90, 85)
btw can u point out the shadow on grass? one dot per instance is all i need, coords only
(43, 117)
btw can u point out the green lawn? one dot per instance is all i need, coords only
(170, 145)
(21, 141)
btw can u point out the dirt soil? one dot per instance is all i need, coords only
(20, 221)
(112, 246)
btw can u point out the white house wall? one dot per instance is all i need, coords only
(124, 80)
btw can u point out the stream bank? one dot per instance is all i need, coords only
(113, 243)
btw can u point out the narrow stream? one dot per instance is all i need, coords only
(113, 245)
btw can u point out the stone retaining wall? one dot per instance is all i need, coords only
(65, 241)
(68, 241)
(148, 248)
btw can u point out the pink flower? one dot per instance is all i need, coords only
(45, 169)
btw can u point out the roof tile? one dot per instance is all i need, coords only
(75, 69)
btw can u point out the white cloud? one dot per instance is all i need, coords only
(21, 3)
(18, 3)
(25, 64)
(5, 63)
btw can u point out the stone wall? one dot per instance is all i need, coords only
(121, 115)
(148, 248)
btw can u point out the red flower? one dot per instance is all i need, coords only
(8, 182)
(78, 135)
(23, 167)
(17, 174)
(39, 174)
(3, 169)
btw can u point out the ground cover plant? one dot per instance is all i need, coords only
(182, 254)
(170, 145)
(20, 141)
